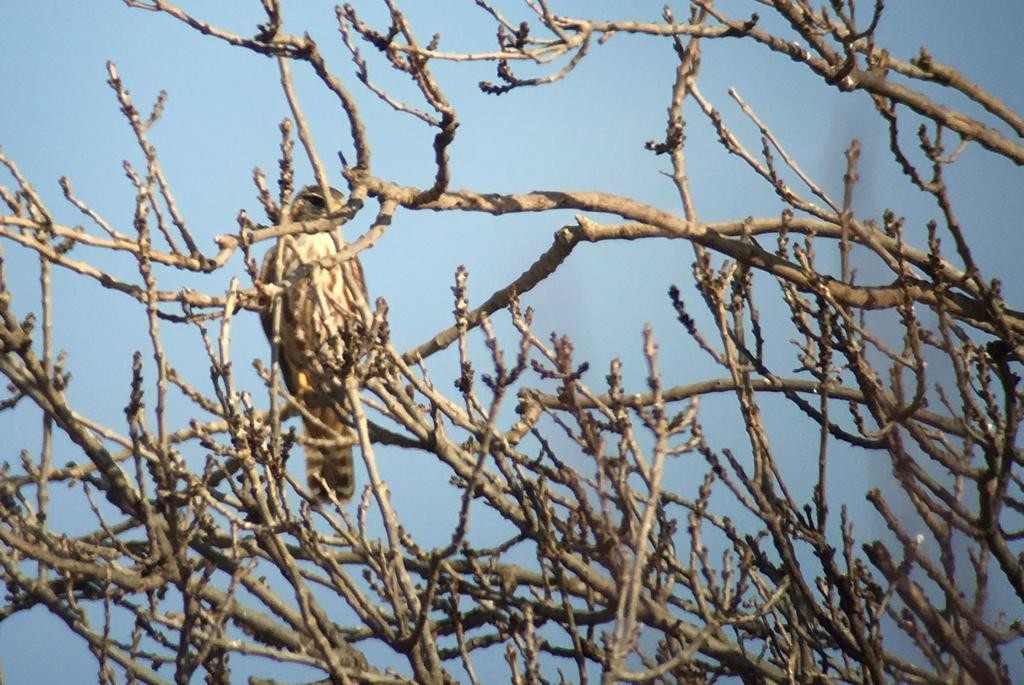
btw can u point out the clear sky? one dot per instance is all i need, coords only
(58, 117)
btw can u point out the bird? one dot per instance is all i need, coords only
(320, 319)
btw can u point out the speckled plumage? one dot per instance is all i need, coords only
(318, 318)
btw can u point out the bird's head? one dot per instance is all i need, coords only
(310, 203)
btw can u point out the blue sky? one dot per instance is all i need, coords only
(60, 118)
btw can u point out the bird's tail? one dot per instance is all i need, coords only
(329, 464)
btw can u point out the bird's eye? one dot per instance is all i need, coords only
(315, 200)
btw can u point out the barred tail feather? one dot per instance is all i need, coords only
(329, 464)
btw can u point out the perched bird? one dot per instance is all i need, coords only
(319, 316)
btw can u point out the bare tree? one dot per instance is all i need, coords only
(604, 568)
